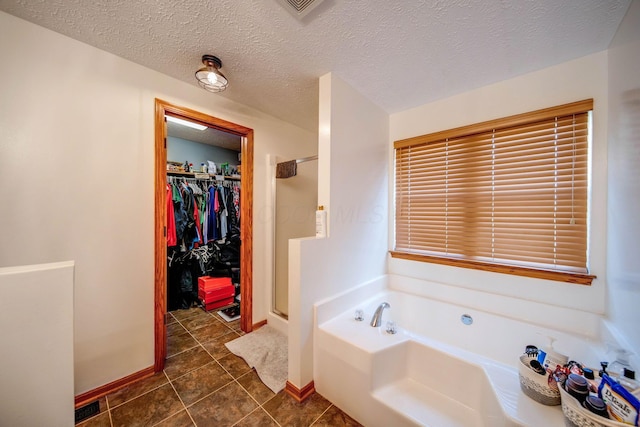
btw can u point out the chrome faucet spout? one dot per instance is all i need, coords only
(376, 320)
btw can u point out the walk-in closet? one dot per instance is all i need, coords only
(203, 197)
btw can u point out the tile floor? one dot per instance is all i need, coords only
(203, 384)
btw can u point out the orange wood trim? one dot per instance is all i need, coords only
(163, 108)
(300, 395)
(205, 119)
(246, 234)
(97, 393)
(516, 120)
(160, 265)
(259, 324)
(577, 278)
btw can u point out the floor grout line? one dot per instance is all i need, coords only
(140, 395)
(184, 407)
(260, 406)
(320, 416)
(187, 373)
(204, 397)
(224, 385)
(106, 401)
(227, 371)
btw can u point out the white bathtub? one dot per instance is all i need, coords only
(436, 371)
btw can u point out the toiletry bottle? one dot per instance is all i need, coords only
(321, 222)
(591, 379)
(203, 168)
(616, 368)
(604, 366)
(551, 358)
(628, 381)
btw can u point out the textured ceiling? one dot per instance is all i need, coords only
(400, 54)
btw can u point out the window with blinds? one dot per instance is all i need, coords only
(509, 195)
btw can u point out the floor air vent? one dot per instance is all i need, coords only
(300, 8)
(86, 411)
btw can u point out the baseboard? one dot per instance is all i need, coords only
(302, 394)
(97, 393)
(259, 324)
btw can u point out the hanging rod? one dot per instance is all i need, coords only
(307, 159)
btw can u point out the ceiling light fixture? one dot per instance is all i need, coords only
(185, 123)
(209, 76)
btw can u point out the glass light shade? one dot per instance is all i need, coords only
(209, 77)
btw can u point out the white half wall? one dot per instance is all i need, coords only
(36, 319)
(568, 82)
(77, 169)
(623, 239)
(352, 186)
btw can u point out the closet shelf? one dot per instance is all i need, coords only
(193, 174)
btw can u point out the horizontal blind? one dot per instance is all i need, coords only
(513, 194)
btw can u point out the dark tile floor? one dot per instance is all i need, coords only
(203, 384)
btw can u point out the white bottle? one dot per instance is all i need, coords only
(549, 358)
(321, 222)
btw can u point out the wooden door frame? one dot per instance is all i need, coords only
(163, 108)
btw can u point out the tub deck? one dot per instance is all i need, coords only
(408, 379)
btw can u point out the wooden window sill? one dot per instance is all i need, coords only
(560, 276)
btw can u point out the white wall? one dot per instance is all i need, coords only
(36, 314)
(352, 185)
(76, 162)
(571, 81)
(624, 179)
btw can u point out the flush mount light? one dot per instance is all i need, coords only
(185, 123)
(209, 76)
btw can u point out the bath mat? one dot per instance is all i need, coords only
(266, 350)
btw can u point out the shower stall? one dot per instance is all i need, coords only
(295, 193)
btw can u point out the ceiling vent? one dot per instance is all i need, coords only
(300, 8)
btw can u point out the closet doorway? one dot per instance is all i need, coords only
(162, 110)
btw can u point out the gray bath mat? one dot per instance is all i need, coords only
(266, 350)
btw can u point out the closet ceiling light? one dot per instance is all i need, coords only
(185, 123)
(209, 76)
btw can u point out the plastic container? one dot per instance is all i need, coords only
(577, 386)
(591, 378)
(596, 406)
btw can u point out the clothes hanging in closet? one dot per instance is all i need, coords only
(203, 236)
(202, 212)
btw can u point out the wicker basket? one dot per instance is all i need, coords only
(575, 415)
(535, 385)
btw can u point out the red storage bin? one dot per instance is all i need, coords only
(217, 304)
(207, 283)
(215, 292)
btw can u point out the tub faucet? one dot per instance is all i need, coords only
(376, 320)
